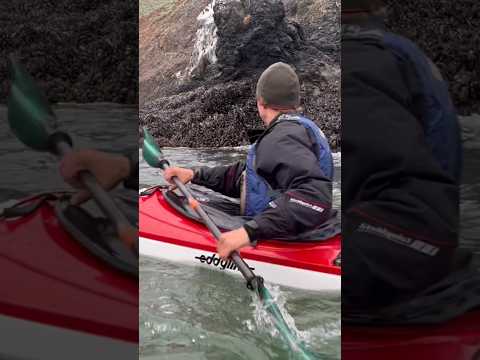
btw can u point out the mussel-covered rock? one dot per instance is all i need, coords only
(216, 105)
(448, 32)
(79, 51)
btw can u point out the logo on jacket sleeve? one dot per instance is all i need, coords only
(308, 205)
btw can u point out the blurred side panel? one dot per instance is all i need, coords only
(410, 180)
(68, 273)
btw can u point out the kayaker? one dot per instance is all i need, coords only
(285, 185)
(110, 170)
(401, 164)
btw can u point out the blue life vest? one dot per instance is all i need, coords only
(432, 105)
(259, 193)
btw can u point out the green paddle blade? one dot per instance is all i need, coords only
(29, 114)
(295, 344)
(151, 152)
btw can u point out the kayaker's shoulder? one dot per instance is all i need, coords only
(286, 130)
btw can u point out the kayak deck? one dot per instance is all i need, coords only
(457, 339)
(165, 234)
(51, 279)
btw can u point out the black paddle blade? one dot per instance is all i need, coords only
(30, 116)
(151, 152)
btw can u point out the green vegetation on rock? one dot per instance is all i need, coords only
(149, 6)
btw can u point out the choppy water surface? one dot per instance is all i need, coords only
(190, 313)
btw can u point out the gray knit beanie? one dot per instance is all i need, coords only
(279, 87)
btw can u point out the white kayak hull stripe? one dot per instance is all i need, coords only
(273, 273)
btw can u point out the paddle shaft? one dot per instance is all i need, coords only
(235, 256)
(248, 274)
(102, 198)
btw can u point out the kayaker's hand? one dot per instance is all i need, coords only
(185, 175)
(108, 169)
(231, 241)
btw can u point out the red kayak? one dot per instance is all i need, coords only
(457, 339)
(170, 231)
(61, 295)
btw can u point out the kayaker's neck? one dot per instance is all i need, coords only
(270, 113)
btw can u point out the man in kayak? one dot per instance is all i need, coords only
(401, 165)
(285, 185)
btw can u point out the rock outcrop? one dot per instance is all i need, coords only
(79, 51)
(252, 35)
(216, 104)
(448, 32)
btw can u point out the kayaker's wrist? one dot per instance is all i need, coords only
(251, 227)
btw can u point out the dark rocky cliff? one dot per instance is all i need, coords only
(216, 104)
(79, 51)
(448, 31)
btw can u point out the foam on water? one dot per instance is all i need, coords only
(264, 321)
(206, 41)
(308, 339)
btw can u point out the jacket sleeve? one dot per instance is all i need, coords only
(285, 159)
(223, 179)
